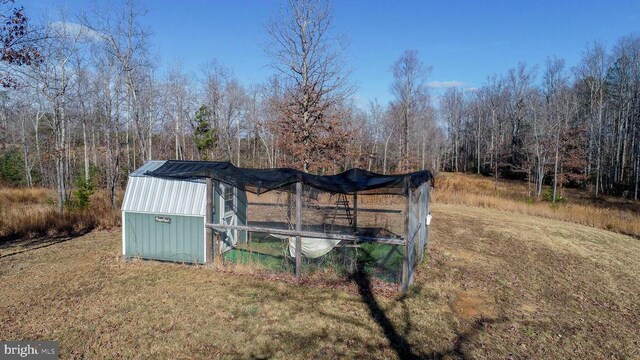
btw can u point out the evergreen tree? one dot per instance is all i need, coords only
(205, 137)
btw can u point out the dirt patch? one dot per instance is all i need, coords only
(472, 304)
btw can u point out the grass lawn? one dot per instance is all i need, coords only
(495, 284)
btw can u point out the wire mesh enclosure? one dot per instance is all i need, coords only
(329, 226)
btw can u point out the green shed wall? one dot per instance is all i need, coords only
(181, 240)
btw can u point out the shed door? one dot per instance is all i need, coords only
(229, 208)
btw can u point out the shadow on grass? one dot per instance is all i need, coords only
(36, 243)
(457, 351)
(398, 341)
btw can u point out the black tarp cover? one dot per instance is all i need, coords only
(259, 181)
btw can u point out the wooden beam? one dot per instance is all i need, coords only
(298, 229)
(309, 234)
(208, 256)
(321, 207)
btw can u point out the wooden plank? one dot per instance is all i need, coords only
(310, 234)
(298, 229)
(330, 207)
(341, 245)
(208, 220)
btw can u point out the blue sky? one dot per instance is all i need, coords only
(464, 41)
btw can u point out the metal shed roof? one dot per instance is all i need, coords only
(165, 196)
(148, 166)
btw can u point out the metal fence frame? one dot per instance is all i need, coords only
(414, 240)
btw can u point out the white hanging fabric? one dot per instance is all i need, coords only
(311, 247)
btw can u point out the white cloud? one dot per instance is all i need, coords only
(445, 84)
(75, 29)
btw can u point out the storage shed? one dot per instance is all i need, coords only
(164, 219)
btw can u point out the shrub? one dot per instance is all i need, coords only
(12, 168)
(547, 195)
(84, 189)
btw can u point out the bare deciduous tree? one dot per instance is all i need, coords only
(410, 92)
(310, 63)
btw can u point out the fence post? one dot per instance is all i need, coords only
(289, 205)
(208, 255)
(355, 212)
(405, 247)
(298, 228)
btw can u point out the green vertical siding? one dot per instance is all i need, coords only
(181, 240)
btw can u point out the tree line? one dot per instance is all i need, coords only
(84, 103)
(564, 126)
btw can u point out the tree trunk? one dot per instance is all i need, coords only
(86, 150)
(60, 145)
(25, 154)
(384, 159)
(555, 167)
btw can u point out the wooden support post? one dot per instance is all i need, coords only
(298, 228)
(405, 247)
(289, 203)
(208, 256)
(355, 212)
(217, 255)
(427, 213)
(355, 231)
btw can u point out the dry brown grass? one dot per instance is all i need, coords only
(495, 285)
(25, 195)
(513, 197)
(29, 212)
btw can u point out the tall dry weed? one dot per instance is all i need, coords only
(30, 212)
(24, 196)
(513, 197)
